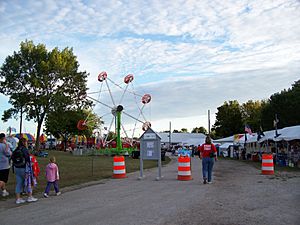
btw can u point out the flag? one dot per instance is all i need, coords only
(275, 122)
(248, 129)
(260, 134)
(236, 138)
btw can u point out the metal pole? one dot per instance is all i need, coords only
(119, 143)
(209, 122)
(170, 137)
(141, 166)
(276, 120)
(159, 165)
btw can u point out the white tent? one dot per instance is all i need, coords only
(269, 135)
(231, 139)
(226, 145)
(226, 139)
(183, 138)
(252, 138)
(289, 133)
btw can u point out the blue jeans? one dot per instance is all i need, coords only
(207, 167)
(20, 179)
(49, 184)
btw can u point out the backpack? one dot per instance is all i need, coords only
(18, 158)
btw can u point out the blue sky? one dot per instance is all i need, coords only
(190, 55)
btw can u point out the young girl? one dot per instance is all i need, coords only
(52, 176)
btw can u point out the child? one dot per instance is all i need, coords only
(52, 176)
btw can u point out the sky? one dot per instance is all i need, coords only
(191, 56)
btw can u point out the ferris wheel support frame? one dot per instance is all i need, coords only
(117, 111)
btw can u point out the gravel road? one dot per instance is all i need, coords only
(238, 195)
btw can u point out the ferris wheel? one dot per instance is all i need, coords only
(109, 107)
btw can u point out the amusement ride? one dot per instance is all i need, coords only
(116, 110)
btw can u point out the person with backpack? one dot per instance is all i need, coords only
(5, 154)
(23, 170)
(208, 156)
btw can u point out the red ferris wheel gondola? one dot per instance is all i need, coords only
(146, 98)
(81, 125)
(128, 78)
(146, 125)
(102, 76)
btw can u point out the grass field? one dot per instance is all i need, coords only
(76, 170)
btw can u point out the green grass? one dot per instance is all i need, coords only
(76, 170)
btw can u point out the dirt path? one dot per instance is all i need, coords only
(239, 195)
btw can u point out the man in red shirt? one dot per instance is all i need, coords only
(208, 156)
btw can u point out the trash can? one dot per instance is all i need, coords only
(135, 154)
(163, 155)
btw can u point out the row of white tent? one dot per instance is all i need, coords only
(185, 139)
(284, 134)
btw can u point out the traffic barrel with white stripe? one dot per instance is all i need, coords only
(119, 169)
(267, 164)
(184, 168)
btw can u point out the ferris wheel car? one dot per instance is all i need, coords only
(128, 78)
(102, 76)
(81, 125)
(146, 98)
(146, 125)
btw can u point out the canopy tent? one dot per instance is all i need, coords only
(183, 138)
(27, 136)
(226, 139)
(269, 135)
(226, 145)
(237, 139)
(289, 133)
(43, 138)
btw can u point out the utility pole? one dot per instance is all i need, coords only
(170, 140)
(209, 122)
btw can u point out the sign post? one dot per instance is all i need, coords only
(150, 150)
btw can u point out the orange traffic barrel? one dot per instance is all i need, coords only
(267, 165)
(184, 168)
(119, 169)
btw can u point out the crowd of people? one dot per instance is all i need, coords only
(26, 170)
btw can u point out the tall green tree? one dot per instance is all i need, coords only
(199, 130)
(39, 82)
(251, 114)
(228, 119)
(286, 104)
(184, 130)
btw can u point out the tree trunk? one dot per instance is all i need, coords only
(38, 132)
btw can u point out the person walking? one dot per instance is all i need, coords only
(52, 175)
(23, 170)
(5, 154)
(208, 156)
